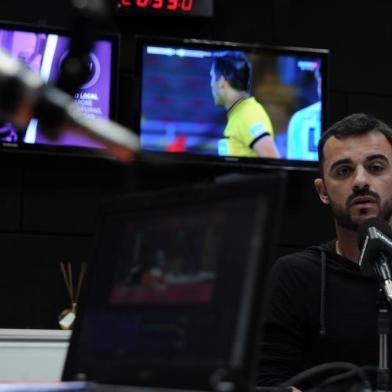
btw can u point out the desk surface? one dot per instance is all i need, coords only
(37, 335)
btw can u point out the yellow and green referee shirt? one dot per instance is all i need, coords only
(247, 123)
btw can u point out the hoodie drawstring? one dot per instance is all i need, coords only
(323, 330)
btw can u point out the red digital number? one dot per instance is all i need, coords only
(186, 5)
(142, 3)
(126, 3)
(157, 3)
(172, 4)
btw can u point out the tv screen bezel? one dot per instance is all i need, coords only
(58, 149)
(191, 158)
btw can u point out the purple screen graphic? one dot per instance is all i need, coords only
(43, 53)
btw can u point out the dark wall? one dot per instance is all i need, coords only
(49, 204)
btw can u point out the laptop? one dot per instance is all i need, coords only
(173, 297)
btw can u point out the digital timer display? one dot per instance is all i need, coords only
(180, 7)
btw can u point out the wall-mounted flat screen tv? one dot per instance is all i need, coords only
(223, 101)
(43, 49)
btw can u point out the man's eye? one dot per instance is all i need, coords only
(343, 171)
(376, 168)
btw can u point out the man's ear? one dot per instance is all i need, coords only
(222, 82)
(321, 190)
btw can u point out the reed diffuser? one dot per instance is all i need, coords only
(67, 316)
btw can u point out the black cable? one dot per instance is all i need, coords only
(326, 367)
(342, 377)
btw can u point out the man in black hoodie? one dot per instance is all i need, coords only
(322, 307)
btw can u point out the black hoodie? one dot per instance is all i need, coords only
(317, 315)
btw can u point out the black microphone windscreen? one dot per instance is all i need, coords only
(378, 223)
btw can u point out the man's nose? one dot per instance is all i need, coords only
(361, 178)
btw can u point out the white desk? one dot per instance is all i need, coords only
(32, 354)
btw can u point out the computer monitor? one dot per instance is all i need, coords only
(174, 293)
(280, 92)
(43, 49)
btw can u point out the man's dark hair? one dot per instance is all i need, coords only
(351, 126)
(235, 68)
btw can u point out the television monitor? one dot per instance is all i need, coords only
(276, 93)
(43, 50)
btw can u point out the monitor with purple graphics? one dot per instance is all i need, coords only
(223, 101)
(43, 50)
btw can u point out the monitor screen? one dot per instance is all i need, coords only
(43, 50)
(231, 101)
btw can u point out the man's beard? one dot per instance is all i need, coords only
(343, 217)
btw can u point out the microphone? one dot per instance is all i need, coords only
(24, 95)
(375, 242)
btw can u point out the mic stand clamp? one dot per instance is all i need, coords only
(383, 326)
